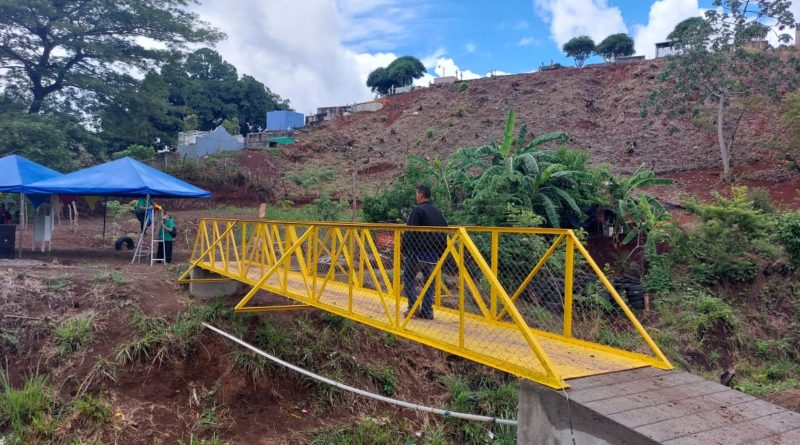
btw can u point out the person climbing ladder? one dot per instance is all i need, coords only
(166, 235)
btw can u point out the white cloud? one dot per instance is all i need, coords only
(470, 47)
(572, 18)
(446, 66)
(528, 41)
(313, 53)
(664, 15)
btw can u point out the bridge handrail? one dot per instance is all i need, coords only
(274, 250)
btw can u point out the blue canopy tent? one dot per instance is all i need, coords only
(16, 175)
(123, 177)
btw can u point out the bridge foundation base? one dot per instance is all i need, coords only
(544, 416)
(210, 285)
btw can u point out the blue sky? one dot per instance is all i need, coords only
(319, 52)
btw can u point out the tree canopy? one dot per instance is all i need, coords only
(615, 45)
(717, 74)
(85, 47)
(579, 48)
(400, 73)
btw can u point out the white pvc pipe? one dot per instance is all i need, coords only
(371, 395)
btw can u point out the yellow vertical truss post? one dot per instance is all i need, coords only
(240, 307)
(495, 264)
(461, 280)
(662, 361)
(314, 261)
(551, 377)
(352, 273)
(568, 278)
(396, 276)
(195, 263)
(244, 267)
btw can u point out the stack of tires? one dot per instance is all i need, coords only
(630, 288)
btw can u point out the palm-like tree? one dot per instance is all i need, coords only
(531, 177)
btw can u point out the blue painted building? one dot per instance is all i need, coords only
(283, 120)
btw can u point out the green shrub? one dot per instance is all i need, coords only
(138, 152)
(384, 377)
(729, 243)
(73, 333)
(93, 408)
(430, 133)
(788, 234)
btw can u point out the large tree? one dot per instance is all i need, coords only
(400, 73)
(579, 48)
(720, 74)
(205, 85)
(141, 115)
(49, 46)
(615, 45)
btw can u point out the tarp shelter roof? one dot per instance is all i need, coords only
(17, 173)
(282, 140)
(123, 177)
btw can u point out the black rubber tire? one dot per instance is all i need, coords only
(126, 240)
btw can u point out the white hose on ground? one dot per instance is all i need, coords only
(414, 406)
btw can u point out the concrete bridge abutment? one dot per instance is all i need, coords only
(217, 285)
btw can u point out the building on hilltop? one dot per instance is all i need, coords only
(664, 49)
(284, 120)
(197, 144)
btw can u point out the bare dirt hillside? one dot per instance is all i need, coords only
(600, 107)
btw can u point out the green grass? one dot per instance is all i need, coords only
(367, 431)
(93, 408)
(481, 394)
(159, 340)
(24, 410)
(384, 377)
(74, 333)
(111, 277)
(60, 283)
(226, 209)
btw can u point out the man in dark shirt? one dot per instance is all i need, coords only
(421, 250)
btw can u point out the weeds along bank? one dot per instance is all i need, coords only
(111, 355)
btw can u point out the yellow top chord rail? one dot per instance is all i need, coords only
(528, 301)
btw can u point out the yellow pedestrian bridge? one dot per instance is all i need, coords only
(531, 302)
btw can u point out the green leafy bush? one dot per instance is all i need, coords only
(788, 234)
(730, 242)
(138, 152)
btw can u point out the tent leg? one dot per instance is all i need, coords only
(21, 221)
(105, 212)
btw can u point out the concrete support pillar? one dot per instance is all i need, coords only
(543, 417)
(210, 290)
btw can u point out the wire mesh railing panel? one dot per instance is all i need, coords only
(515, 299)
(598, 317)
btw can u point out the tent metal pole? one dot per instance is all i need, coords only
(105, 212)
(21, 221)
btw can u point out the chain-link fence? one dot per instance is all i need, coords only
(528, 301)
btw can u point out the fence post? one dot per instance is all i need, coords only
(568, 272)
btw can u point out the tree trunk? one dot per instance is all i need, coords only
(36, 105)
(724, 149)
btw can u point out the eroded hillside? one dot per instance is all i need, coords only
(600, 107)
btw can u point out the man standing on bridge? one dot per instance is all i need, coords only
(421, 250)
